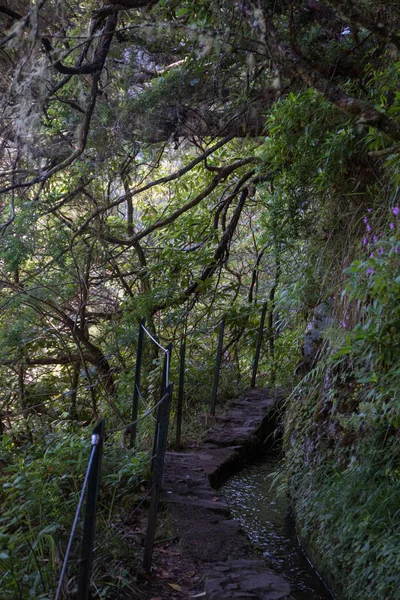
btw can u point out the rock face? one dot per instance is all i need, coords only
(315, 329)
(313, 337)
(209, 538)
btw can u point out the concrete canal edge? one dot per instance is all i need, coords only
(209, 539)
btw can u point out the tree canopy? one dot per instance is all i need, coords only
(135, 149)
(183, 161)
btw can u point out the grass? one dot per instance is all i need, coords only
(347, 505)
(40, 486)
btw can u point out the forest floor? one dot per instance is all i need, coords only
(202, 552)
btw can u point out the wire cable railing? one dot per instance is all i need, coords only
(75, 523)
(141, 418)
(167, 352)
(91, 482)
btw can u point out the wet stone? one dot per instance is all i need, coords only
(208, 536)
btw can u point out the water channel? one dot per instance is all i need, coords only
(264, 514)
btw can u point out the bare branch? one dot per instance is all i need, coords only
(111, 7)
(43, 361)
(102, 52)
(24, 22)
(220, 256)
(223, 174)
(154, 183)
(10, 13)
(384, 152)
(12, 218)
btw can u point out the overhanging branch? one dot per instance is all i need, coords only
(161, 181)
(285, 56)
(223, 174)
(352, 14)
(220, 256)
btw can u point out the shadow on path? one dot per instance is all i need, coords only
(212, 551)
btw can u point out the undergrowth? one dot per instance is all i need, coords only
(347, 510)
(342, 431)
(40, 487)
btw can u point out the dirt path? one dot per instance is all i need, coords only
(208, 556)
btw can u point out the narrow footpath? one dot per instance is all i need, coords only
(210, 557)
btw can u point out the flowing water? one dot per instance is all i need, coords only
(264, 514)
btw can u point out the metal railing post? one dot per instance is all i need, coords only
(164, 381)
(217, 367)
(258, 347)
(138, 367)
(166, 368)
(157, 478)
(179, 409)
(89, 524)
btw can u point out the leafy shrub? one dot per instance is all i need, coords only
(342, 430)
(40, 487)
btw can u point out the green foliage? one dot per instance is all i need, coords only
(347, 509)
(74, 286)
(342, 420)
(342, 427)
(40, 487)
(374, 285)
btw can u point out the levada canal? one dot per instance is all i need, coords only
(264, 514)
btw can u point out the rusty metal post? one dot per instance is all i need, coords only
(166, 368)
(165, 378)
(89, 524)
